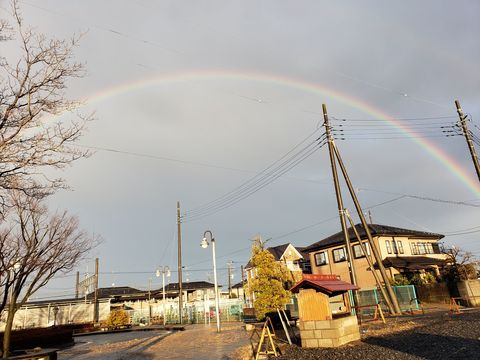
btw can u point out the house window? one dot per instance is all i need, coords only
(429, 248)
(414, 248)
(422, 249)
(394, 247)
(387, 244)
(357, 250)
(321, 258)
(339, 255)
(400, 246)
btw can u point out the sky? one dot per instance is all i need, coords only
(192, 99)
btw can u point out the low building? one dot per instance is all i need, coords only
(403, 251)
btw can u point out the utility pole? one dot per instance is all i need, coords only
(229, 267)
(369, 260)
(393, 298)
(338, 194)
(334, 153)
(243, 283)
(180, 285)
(466, 133)
(95, 300)
(77, 284)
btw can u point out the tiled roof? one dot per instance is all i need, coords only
(276, 251)
(327, 284)
(375, 230)
(239, 285)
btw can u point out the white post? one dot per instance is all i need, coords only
(163, 286)
(217, 306)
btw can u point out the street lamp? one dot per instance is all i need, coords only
(163, 270)
(204, 244)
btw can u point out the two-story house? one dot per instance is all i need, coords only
(403, 251)
(295, 259)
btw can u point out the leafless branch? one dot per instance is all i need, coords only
(32, 96)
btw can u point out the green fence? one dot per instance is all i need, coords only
(406, 295)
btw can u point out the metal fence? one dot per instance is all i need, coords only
(198, 312)
(406, 295)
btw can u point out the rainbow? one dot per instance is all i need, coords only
(436, 152)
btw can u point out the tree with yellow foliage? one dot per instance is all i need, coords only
(268, 282)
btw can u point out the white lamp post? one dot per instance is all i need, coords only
(204, 244)
(163, 270)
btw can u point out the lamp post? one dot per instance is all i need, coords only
(163, 270)
(204, 244)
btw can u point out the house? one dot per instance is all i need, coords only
(403, 252)
(238, 289)
(295, 259)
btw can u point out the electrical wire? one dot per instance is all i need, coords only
(257, 188)
(398, 119)
(262, 173)
(262, 179)
(426, 198)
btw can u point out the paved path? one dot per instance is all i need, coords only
(200, 342)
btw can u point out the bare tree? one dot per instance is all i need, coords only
(32, 93)
(460, 264)
(40, 246)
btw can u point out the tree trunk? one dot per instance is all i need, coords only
(8, 329)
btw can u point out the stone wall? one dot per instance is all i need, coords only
(329, 333)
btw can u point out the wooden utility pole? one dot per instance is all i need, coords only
(466, 133)
(338, 194)
(243, 283)
(229, 267)
(77, 284)
(180, 285)
(369, 261)
(334, 153)
(393, 298)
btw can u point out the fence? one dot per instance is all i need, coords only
(56, 313)
(197, 312)
(406, 295)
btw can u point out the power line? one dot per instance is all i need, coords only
(262, 173)
(426, 198)
(262, 179)
(406, 137)
(427, 118)
(252, 191)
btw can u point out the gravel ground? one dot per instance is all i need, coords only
(432, 336)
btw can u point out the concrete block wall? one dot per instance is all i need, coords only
(329, 333)
(470, 289)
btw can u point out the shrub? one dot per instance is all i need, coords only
(118, 318)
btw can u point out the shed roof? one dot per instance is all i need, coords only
(327, 284)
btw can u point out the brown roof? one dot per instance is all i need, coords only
(327, 284)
